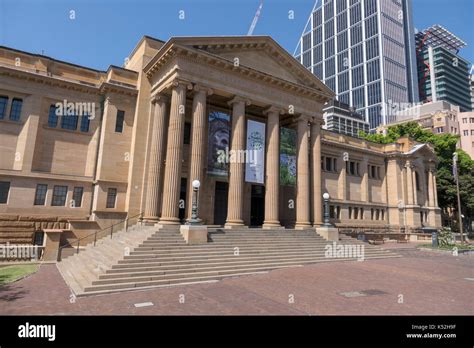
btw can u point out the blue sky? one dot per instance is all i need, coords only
(105, 31)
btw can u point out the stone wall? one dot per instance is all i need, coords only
(20, 229)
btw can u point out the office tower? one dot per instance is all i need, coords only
(363, 50)
(442, 73)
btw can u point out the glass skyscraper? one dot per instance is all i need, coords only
(364, 50)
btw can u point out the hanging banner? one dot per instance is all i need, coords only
(255, 156)
(218, 144)
(287, 157)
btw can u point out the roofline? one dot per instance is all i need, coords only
(143, 38)
(175, 40)
(52, 59)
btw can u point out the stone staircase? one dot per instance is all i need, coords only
(162, 258)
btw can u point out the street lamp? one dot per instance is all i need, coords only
(194, 210)
(326, 210)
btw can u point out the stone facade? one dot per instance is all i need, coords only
(147, 140)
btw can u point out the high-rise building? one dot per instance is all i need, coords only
(340, 118)
(472, 91)
(363, 50)
(442, 73)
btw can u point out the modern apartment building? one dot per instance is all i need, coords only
(340, 118)
(442, 73)
(363, 50)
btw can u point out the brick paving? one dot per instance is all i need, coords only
(430, 283)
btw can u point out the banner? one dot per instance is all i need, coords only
(255, 156)
(218, 143)
(287, 157)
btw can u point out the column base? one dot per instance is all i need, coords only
(234, 225)
(302, 226)
(169, 221)
(149, 221)
(272, 225)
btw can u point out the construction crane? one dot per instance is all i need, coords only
(255, 19)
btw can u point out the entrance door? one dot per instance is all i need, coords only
(182, 200)
(257, 205)
(220, 202)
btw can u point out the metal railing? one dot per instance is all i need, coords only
(100, 233)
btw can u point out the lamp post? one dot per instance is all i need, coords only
(326, 210)
(194, 209)
(456, 177)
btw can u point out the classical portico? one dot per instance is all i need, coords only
(252, 79)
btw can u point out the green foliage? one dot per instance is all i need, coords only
(445, 238)
(444, 146)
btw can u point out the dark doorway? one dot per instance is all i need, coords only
(220, 202)
(182, 200)
(257, 205)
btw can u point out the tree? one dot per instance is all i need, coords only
(444, 146)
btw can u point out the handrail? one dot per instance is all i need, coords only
(111, 227)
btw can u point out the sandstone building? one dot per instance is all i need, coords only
(129, 141)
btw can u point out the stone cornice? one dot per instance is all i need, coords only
(48, 80)
(54, 81)
(172, 50)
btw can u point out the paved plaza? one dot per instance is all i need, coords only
(419, 283)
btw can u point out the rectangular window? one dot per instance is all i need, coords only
(69, 122)
(85, 123)
(59, 196)
(77, 196)
(3, 106)
(15, 111)
(466, 132)
(111, 197)
(4, 191)
(52, 117)
(119, 121)
(464, 120)
(40, 195)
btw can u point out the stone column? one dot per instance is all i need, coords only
(341, 181)
(364, 185)
(237, 165)
(415, 188)
(435, 191)
(272, 164)
(409, 176)
(302, 175)
(430, 188)
(317, 181)
(198, 137)
(155, 171)
(174, 152)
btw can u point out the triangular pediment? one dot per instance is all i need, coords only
(260, 53)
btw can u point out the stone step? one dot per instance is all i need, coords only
(147, 264)
(194, 277)
(208, 256)
(227, 264)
